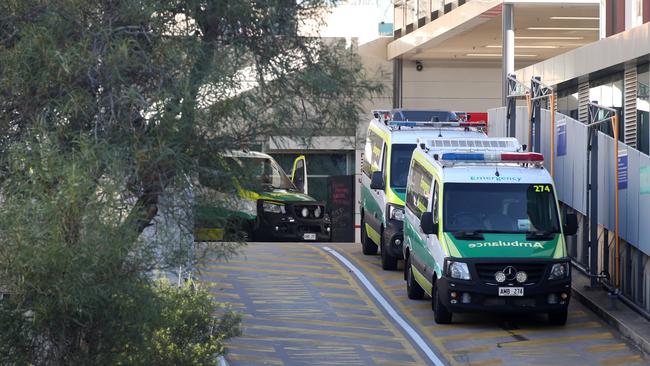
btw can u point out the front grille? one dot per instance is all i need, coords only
(309, 229)
(486, 271)
(311, 211)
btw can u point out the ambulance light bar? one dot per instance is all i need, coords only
(477, 124)
(501, 157)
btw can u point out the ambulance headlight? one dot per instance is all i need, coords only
(458, 270)
(559, 271)
(396, 213)
(273, 207)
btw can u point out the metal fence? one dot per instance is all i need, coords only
(571, 172)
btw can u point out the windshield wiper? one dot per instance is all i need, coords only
(468, 235)
(540, 235)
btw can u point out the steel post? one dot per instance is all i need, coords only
(508, 48)
(593, 203)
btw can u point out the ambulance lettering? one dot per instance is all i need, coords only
(500, 243)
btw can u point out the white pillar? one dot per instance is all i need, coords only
(602, 24)
(508, 49)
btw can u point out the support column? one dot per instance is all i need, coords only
(397, 82)
(508, 49)
(593, 200)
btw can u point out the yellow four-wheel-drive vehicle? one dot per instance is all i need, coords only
(247, 195)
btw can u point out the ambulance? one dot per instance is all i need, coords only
(390, 142)
(246, 195)
(482, 230)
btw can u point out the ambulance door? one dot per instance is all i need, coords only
(299, 174)
(433, 248)
(418, 197)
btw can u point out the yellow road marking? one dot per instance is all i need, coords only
(622, 360)
(539, 342)
(472, 350)
(330, 285)
(339, 296)
(607, 347)
(275, 263)
(281, 272)
(323, 323)
(389, 362)
(336, 304)
(251, 358)
(326, 332)
(393, 351)
(344, 274)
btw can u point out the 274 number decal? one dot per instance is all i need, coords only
(540, 188)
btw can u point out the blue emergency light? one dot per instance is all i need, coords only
(495, 157)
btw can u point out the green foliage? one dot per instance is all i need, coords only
(106, 109)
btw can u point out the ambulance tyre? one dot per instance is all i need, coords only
(413, 289)
(367, 246)
(558, 318)
(440, 313)
(388, 262)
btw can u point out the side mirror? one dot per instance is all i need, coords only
(468, 117)
(571, 226)
(427, 225)
(377, 180)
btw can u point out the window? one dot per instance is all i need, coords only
(500, 208)
(608, 92)
(372, 155)
(435, 202)
(417, 191)
(400, 156)
(643, 109)
(567, 102)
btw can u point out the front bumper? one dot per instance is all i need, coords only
(394, 238)
(475, 295)
(291, 227)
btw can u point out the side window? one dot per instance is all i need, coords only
(435, 201)
(383, 164)
(372, 153)
(418, 188)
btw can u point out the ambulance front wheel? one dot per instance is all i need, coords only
(388, 262)
(558, 318)
(367, 246)
(441, 314)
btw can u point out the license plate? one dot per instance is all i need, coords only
(511, 291)
(309, 236)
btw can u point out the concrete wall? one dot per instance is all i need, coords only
(457, 86)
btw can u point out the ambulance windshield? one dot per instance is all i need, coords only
(500, 208)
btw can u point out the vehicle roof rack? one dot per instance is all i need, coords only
(469, 144)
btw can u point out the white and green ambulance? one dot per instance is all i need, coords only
(483, 232)
(389, 146)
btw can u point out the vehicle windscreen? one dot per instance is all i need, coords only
(400, 158)
(428, 116)
(251, 173)
(500, 208)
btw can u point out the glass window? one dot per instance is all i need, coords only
(417, 191)
(567, 102)
(500, 208)
(608, 92)
(248, 171)
(400, 157)
(643, 109)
